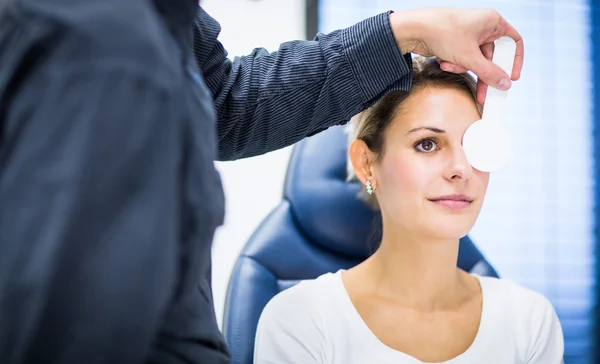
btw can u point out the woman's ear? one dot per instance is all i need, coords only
(362, 159)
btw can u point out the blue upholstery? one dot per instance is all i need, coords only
(320, 226)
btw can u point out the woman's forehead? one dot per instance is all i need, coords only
(444, 109)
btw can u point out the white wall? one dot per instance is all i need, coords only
(253, 186)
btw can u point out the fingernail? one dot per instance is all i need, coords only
(504, 84)
(447, 68)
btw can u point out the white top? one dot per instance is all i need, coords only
(316, 322)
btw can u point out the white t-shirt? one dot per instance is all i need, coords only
(316, 322)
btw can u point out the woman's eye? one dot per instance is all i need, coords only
(426, 146)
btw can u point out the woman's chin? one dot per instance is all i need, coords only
(450, 230)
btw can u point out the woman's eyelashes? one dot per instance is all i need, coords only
(427, 145)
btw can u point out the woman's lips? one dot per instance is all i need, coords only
(453, 202)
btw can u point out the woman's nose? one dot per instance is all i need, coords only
(458, 165)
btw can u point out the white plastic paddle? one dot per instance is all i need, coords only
(487, 143)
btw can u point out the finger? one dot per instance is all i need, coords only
(452, 67)
(488, 52)
(481, 91)
(486, 71)
(505, 29)
(519, 54)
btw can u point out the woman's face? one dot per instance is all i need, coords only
(424, 183)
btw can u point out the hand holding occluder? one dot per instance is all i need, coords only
(462, 40)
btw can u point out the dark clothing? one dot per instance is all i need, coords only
(111, 115)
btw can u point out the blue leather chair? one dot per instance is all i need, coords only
(320, 226)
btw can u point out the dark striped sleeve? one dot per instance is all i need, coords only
(266, 101)
(88, 215)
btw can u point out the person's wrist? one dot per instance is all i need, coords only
(407, 31)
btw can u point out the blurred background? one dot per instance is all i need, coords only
(539, 225)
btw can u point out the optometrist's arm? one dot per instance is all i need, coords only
(266, 101)
(547, 340)
(88, 214)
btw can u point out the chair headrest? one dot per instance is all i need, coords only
(327, 208)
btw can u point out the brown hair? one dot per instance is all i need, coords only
(371, 124)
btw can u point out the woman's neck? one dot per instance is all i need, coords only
(417, 271)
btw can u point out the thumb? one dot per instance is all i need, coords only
(487, 72)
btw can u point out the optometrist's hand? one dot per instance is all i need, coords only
(461, 40)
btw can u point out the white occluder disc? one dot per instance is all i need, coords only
(487, 145)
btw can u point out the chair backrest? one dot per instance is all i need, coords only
(320, 226)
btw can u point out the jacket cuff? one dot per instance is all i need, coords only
(375, 58)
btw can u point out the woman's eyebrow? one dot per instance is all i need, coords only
(435, 130)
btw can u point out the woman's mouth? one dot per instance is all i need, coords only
(453, 202)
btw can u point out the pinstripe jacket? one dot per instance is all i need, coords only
(112, 113)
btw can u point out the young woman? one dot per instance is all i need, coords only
(409, 303)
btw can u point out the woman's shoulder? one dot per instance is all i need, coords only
(304, 302)
(527, 313)
(509, 293)
(310, 292)
(297, 319)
